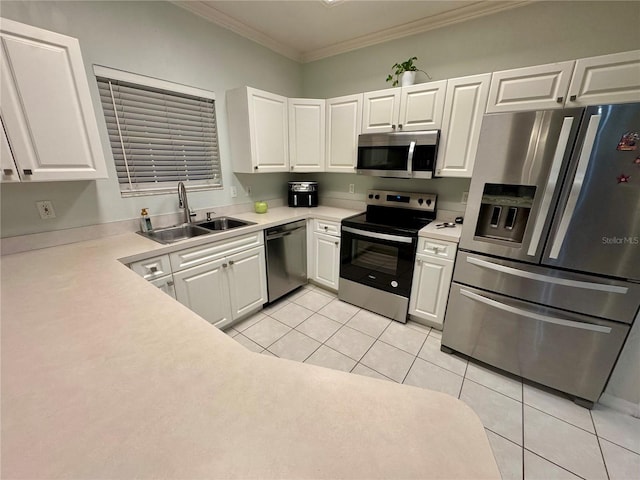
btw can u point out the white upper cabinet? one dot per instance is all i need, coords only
(46, 106)
(606, 79)
(306, 135)
(421, 106)
(259, 131)
(418, 107)
(464, 107)
(344, 121)
(9, 172)
(381, 110)
(530, 88)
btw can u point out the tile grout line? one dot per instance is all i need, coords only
(553, 463)
(415, 357)
(604, 461)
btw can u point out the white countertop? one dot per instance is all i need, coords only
(448, 234)
(105, 376)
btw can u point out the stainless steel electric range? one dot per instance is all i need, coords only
(378, 248)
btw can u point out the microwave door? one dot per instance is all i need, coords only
(597, 228)
(521, 161)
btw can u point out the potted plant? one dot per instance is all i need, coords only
(405, 72)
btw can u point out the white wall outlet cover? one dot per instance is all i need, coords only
(234, 192)
(352, 188)
(465, 197)
(45, 208)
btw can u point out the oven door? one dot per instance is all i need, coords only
(380, 260)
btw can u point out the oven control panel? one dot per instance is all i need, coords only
(412, 200)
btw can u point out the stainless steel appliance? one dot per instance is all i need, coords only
(398, 154)
(286, 252)
(377, 251)
(303, 194)
(547, 279)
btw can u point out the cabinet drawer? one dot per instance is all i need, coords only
(152, 268)
(326, 226)
(437, 248)
(213, 251)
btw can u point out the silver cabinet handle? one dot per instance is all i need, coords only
(561, 147)
(153, 269)
(533, 315)
(170, 283)
(231, 262)
(224, 265)
(547, 279)
(576, 188)
(7, 171)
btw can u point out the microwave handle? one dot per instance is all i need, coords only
(412, 149)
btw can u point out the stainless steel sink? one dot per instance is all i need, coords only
(223, 223)
(175, 233)
(190, 230)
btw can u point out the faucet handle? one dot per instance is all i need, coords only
(209, 216)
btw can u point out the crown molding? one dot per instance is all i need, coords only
(462, 14)
(206, 11)
(451, 17)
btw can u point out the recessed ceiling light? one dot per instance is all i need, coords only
(331, 3)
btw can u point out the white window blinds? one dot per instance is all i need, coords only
(160, 137)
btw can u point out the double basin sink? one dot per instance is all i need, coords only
(191, 230)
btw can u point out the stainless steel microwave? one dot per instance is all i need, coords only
(398, 154)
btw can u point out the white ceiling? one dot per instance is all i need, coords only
(308, 30)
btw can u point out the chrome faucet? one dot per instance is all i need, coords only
(183, 203)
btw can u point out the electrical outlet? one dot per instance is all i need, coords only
(45, 208)
(352, 188)
(248, 190)
(465, 197)
(234, 192)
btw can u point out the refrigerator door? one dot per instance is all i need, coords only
(566, 351)
(597, 226)
(521, 161)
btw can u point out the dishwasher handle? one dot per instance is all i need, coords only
(278, 233)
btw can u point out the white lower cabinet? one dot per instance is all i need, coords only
(431, 281)
(165, 284)
(324, 254)
(224, 290)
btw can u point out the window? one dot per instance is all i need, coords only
(161, 133)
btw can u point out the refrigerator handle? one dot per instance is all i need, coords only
(558, 156)
(574, 194)
(533, 315)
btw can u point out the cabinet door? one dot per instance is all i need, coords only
(166, 285)
(268, 126)
(381, 111)
(326, 268)
(9, 172)
(530, 88)
(205, 290)
(465, 103)
(606, 79)
(306, 134)
(46, 106)
(344, 123)
(430, 289)
(421, 106)
(247, 281)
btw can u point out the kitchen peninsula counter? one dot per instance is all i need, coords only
(105, 376)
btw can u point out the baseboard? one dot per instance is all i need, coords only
(620, 405)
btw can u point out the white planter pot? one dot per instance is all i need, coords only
(407, 78)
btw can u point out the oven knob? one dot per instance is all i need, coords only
(428, 202)
(370, 195)
(394, 284)
(377, 197)
(420, 201)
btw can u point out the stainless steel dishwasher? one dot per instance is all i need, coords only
(286, 258)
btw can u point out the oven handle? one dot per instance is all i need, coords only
(378, 236)
(533, 315)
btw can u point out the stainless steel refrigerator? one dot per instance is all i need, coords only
(547, 279)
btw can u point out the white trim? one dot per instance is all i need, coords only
(469, 12)
(620, 405)
(152, 82)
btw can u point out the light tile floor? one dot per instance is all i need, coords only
(534, 434)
